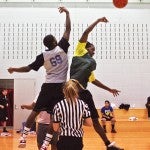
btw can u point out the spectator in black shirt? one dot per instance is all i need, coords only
(3, 108)
(148, 107)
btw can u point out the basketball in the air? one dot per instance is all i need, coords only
(120, 3)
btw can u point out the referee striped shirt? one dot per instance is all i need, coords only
(70, 115)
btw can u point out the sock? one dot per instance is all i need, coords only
(25, 132)
(104, 126)
(54, 138)
(107, 143)
(4, 128)
(47, 140)
(113, 126)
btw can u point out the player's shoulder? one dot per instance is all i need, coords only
(103, 108)
(80, 45)
(111, 107)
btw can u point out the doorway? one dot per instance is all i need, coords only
(20, 91)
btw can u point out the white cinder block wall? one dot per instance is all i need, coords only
(122, 47)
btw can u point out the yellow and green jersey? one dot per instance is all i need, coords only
(82, 65)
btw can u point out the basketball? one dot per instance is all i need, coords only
(120, 3)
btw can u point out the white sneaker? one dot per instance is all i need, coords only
(22, 143)
(112, 146)
(5, 134)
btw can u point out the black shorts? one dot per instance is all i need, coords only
(108, 119)
(3, 115)
(86, 96)
(49, 96)
(70, 143)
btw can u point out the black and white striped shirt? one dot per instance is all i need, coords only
(70, 115)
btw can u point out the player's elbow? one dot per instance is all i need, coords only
(55, 127)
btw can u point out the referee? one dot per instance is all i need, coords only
(69, 116)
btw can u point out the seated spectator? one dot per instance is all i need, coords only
(148, 107)
(108, 115)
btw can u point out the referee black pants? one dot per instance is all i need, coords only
(70, 143)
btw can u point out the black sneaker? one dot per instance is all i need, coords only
(114, 148)
(18, 131)
(113, 131)
(5, 131)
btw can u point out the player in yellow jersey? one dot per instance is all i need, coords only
(81, 69)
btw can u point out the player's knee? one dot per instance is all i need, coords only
(103, 120)
(113, 120)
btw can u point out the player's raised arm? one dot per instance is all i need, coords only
(66, 34)
(85, 34)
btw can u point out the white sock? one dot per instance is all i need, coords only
(47, 140)
(25, 132)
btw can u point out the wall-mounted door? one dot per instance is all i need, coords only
(24, 92)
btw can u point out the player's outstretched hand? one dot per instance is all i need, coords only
(63, 9)
(115, 92)
(103, 19)
(10, 70)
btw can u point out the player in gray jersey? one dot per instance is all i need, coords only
(55, 61)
